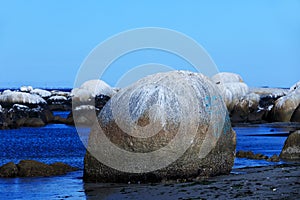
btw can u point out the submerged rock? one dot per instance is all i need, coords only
(9, 170)
(291, 148)
(32, 168)
(172, 125)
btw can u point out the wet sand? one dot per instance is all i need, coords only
(270, 182)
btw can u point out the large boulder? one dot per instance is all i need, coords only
(285, 106)
(291, 148)
(165, 126)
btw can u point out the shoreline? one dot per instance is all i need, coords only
(264, 182)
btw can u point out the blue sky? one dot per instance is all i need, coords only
(43, 43)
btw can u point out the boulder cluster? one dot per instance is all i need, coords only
(258, 105)
(34, 107)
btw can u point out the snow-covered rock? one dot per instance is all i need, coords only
(26, 88)
(21, 98)
(97, 87)
(41, 93)
(90, 89)
(226, 77)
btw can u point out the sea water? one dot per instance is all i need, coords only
(61, 143)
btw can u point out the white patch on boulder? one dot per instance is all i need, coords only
(85, 107)
(58, 98)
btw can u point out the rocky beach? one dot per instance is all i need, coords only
(208, 176)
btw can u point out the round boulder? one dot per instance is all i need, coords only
(166, 126)
(291, 148)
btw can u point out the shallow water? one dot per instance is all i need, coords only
(60, 143)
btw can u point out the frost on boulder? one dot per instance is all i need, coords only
(179, 107)
(9, 97)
